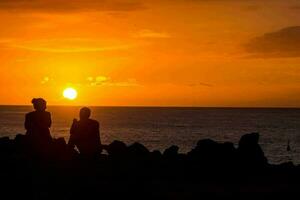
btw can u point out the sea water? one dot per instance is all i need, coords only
(160, 127)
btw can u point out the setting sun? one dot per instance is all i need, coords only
(70, 93)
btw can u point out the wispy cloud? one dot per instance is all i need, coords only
(107, 81)
(91, 81)
(282, 43)
(295, 7)
(200, 84)
(70, 45)
(147, 33)
(70, 5)
(71, 50)
(45, 80)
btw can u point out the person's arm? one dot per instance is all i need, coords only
(27, 123)
(73, 127)
(71, 142)
(49, 122)
(98, 132)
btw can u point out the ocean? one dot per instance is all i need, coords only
(161, 127)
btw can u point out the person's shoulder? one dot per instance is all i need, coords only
(95, 122)
(30, 114)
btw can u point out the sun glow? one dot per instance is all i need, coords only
(70, 93)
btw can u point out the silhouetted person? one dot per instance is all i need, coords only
(85, 134)
(37, 124)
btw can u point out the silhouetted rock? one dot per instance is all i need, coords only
(21, 144)
(206, 146)
(287, 165)
(228, 153)
(21, 140)
(171, 152)
(249, 151)
(116, 149)
(206, 151)
(61, 150)
(138, 150)
(4, 141)
(211, 169)
(6, 145)
(156, 155)
(60, 144)
(209, 153)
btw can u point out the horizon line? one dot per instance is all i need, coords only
(153, 106)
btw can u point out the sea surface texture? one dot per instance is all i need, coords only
(159, 128)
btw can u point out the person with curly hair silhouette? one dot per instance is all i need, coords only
(37, 125)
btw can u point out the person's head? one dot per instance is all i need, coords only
(85, 113)
(39, 104)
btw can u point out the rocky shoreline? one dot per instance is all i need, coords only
(210, 170)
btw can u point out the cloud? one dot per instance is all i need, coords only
(70, 5)
(146, 33)
(282, 43)
(107, 81)
(295, 7)
(67, 45)
(93, 81)
(201, 84)
(251, 7)
(71, 50)
(45, 80)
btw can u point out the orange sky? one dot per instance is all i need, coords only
(151, 53)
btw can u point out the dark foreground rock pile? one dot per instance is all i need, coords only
(209, 170)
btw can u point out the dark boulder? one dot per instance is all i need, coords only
(21, 140)
(61, 151)
(250, 153)
(171, 152)
(60, 144)
(116, 149)
(6, 145)
(156, 155)
(22, 145)
(206, 150)
(138, 150)
(209, 153)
